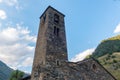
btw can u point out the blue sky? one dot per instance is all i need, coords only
(87, 22)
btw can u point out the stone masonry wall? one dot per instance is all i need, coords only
(84, 70)
(51, 59)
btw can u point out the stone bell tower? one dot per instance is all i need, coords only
(51, 48)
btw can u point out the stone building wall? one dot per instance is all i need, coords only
(51, 59)
(85, 70)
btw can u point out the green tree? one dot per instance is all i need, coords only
(16, 75)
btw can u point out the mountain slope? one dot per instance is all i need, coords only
(108, 46)
(5, 71)
(108, 54)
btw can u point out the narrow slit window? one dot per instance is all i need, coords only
(44, 17)
(94, 67)
(56, 31)
(57, 62)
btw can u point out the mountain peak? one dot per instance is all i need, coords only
(5, 71)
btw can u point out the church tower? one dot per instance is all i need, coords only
(51, 60)
(51, 48)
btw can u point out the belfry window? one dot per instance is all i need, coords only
(44, 17)
(56, 18)
(56, 31)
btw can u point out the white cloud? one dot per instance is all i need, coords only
(13, 3)
(0, 25)
(117, 29)
(82, 55)
(1, 1)
(15, 48)
(27, 61)
(3, 14)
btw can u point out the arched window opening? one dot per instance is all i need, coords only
(56, 18)
(94, 67)
(57, 62)
(56, 31)
(36, 74)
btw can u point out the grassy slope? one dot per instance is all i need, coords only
(108, 54)
(111, 63)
